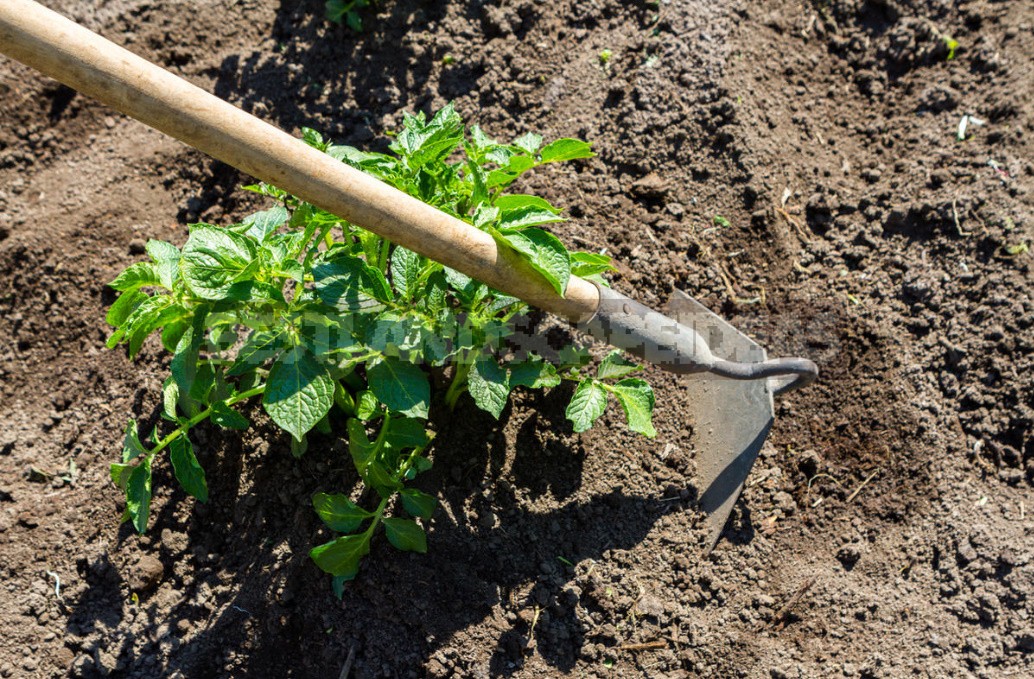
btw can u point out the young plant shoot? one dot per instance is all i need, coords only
(333, 327)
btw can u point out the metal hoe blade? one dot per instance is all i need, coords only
(731, 418)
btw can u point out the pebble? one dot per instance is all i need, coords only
(109, 122)
(650, 186)
(651, 606)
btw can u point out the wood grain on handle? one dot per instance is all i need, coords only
(83, 60)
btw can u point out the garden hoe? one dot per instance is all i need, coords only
(733, 382)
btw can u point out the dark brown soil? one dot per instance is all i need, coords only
(886, 530)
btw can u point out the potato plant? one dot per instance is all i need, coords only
(335, 328)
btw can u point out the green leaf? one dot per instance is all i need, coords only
(545, 253)
(151, 314)
(587, 404)
(214, 259)
(228, 418)
(204, 381)
(359, 446)
(341, 557)
(566, 149)
(528, 215)
(366, 405)
(338, 512)
(636, 397)
(424, 144)
(188, 471)
(261, 224)
(488, 385)
(508, 202)
(135, 276)
(123, 307)
(327, 333)
(309, 135)
(417, 503)
(406, 432)
(400, 385)
(166, 258)
(534, 373)
(590, 264)
(381, 480)
(350, 284)
(405, 535)
(138, 494)
(170, 397)
(299, 446)
(529, 142)
(480, 140)
(184, 362)
(173, 332)
(468, 290)
(615, 365)
(132, 447)
(120, 474)
(299, 392)
(254, 292)
(405, 270)
(261, 346)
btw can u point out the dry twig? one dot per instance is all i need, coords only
(780, 619)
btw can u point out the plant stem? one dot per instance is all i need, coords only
(458, 384)
(201, 417)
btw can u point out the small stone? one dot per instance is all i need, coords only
(650, 186)
(146, 574)
(109, 122)
(63, 657)
(785, 502)
(137, 246)
(651, 606)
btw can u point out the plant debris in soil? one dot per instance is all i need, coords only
(886, 529)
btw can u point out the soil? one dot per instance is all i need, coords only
(886, 530)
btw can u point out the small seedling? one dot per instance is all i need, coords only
(951, 44)
(721, 221)
(338, 330)
(605, 56)
(346, 11)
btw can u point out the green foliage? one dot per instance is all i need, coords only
(337, 329)
(347, 11)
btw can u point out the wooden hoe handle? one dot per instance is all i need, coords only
(83, 60)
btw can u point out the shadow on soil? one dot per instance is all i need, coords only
(483, 551)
